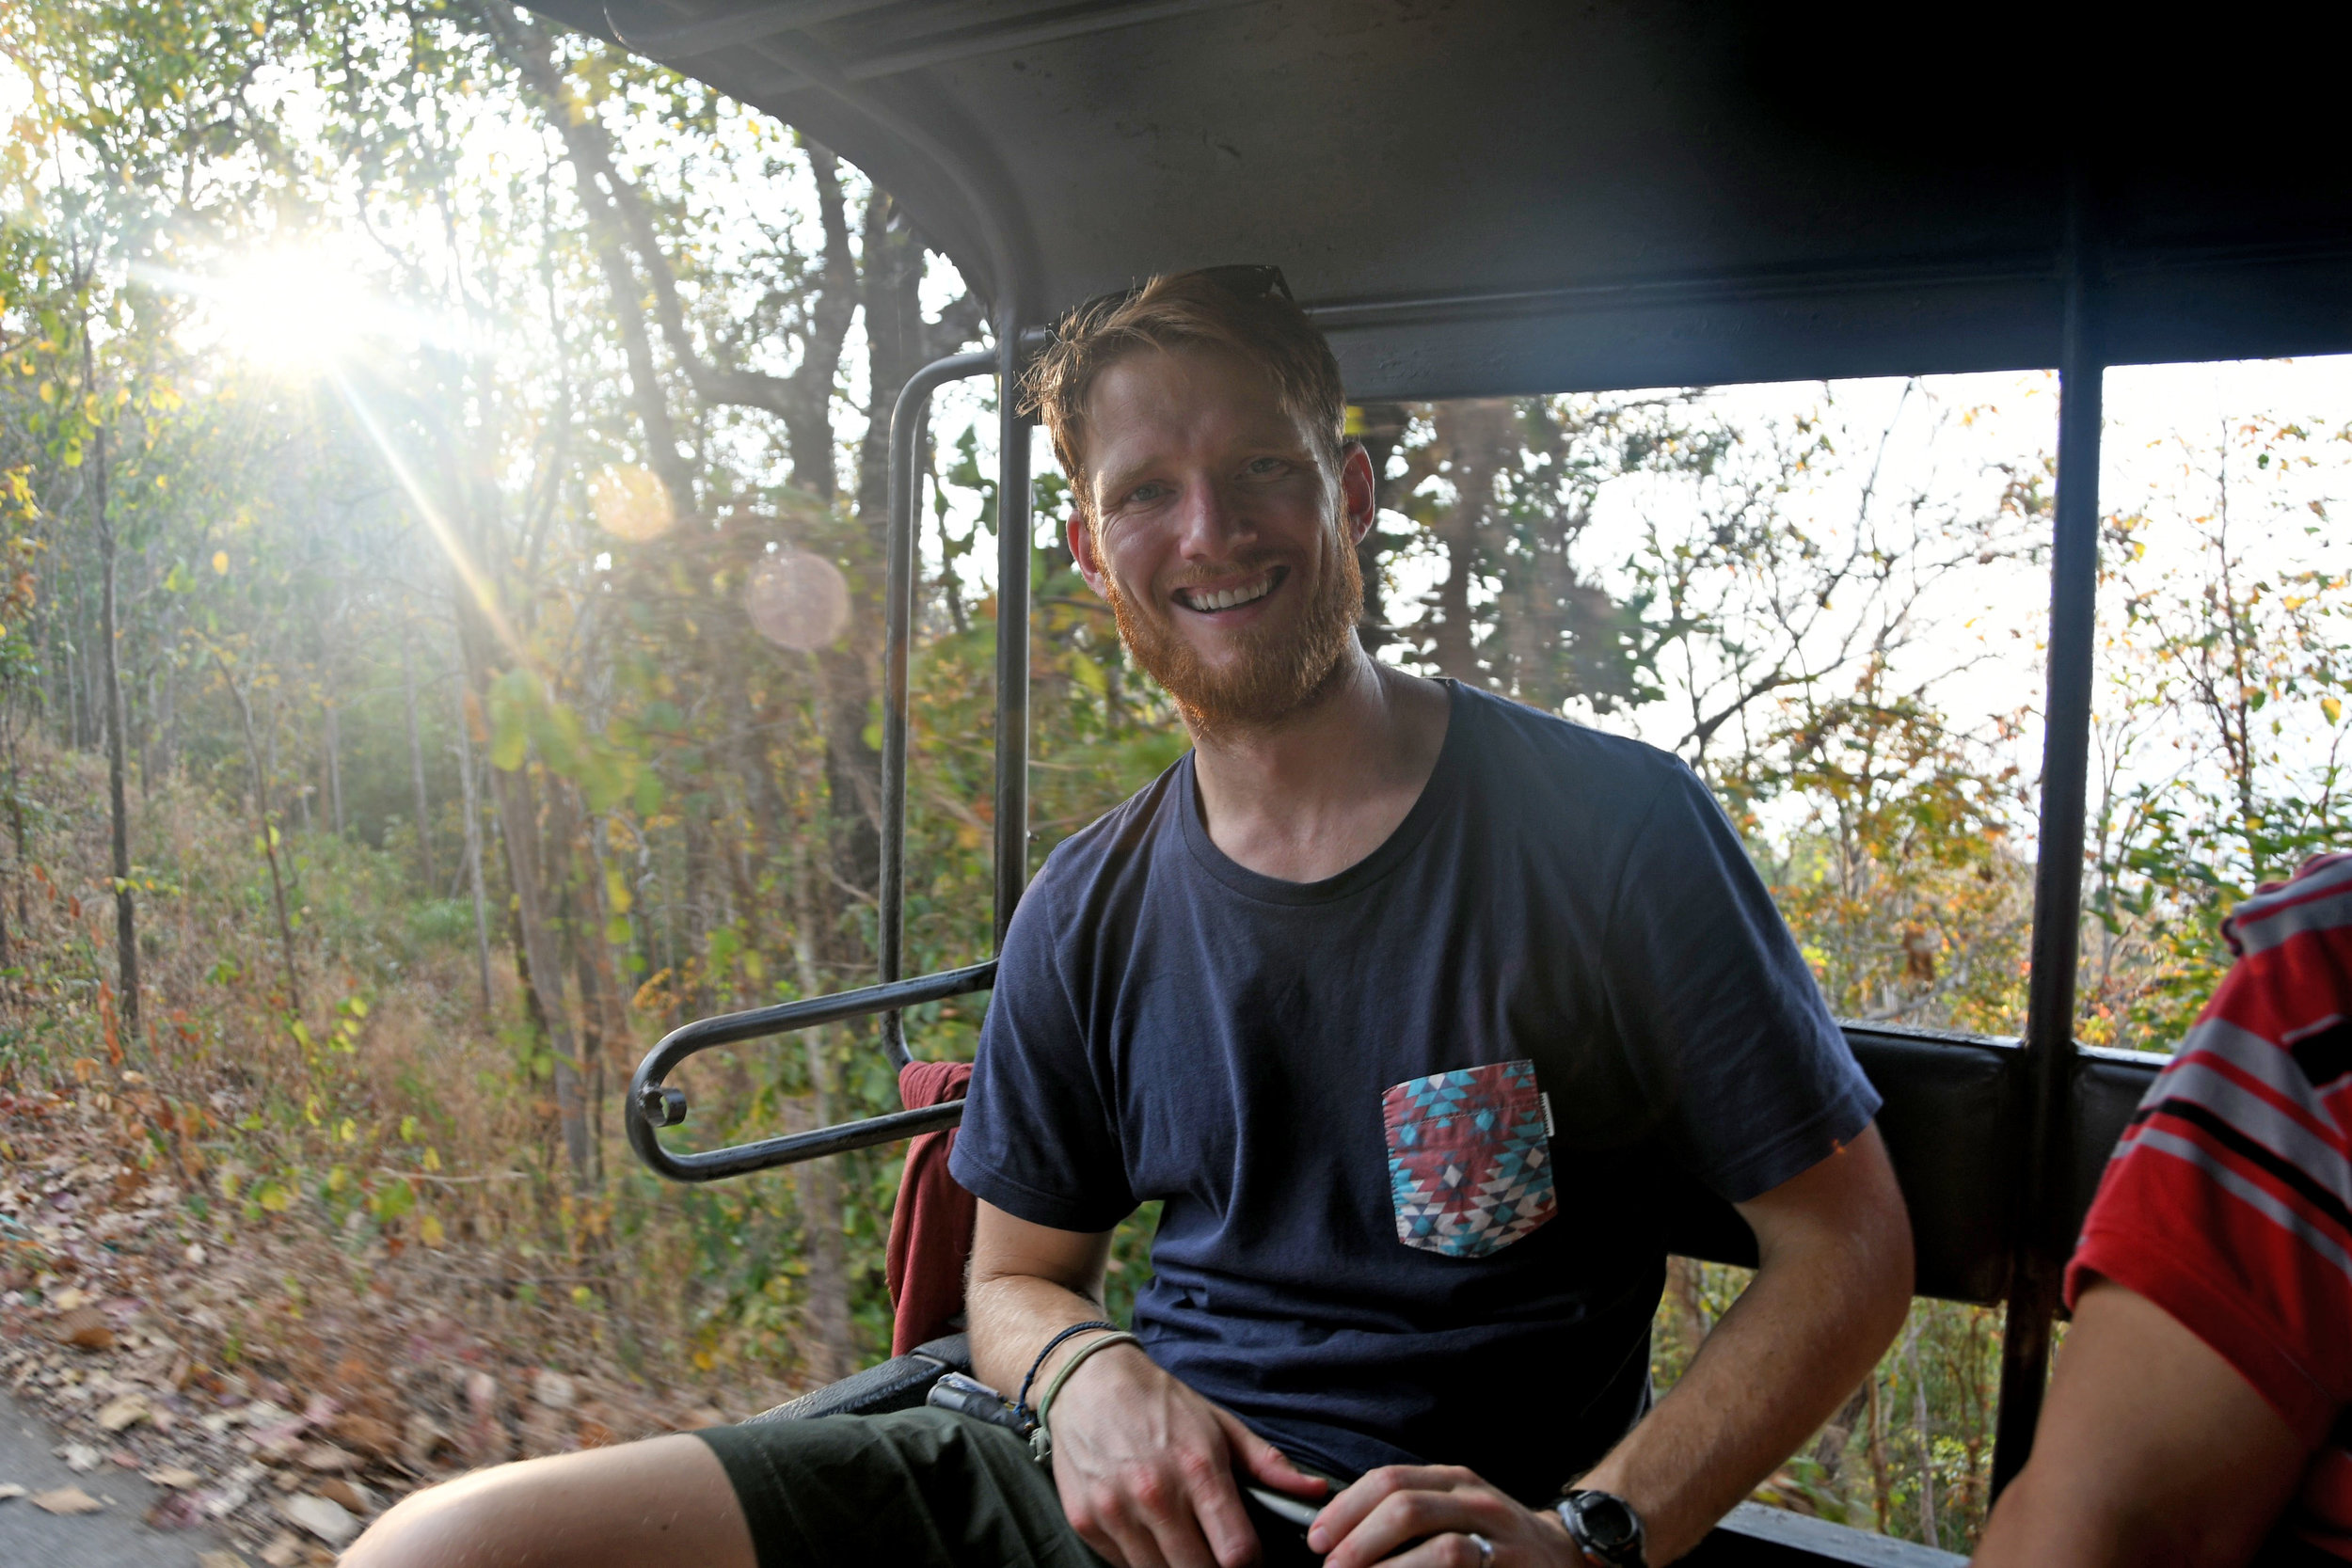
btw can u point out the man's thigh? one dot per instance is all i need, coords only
(926, 1488)
(642, 1505)
(917, 1487)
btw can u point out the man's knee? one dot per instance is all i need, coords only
(643, 1505)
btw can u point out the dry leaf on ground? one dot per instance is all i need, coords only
(67, 1500)
(85, 1327)
(127, 1411)
(326, 1520)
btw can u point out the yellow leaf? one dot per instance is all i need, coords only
(432, 1158)
(2332, 708)
(220, 564)
(429, 1232)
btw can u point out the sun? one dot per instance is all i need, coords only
(292, 309)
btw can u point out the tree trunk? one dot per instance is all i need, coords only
(830, 1347)
(334, 769)
(518, 825)
(269, 835)
(416, 759)
(473, 848)
(117, 712)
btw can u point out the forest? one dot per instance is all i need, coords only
(441, 476)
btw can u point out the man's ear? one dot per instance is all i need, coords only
(1360, 492)
(1079, 531)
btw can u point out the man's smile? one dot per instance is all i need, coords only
(1209, 600)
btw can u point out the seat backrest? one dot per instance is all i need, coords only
(1955, 1123)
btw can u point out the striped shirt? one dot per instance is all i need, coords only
(2229, 1199)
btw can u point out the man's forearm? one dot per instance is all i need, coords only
(1795, 1343)
(1011, 1320)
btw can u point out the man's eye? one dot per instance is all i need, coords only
(1150, 492)
(1266, 467)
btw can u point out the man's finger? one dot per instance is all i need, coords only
(1178, 1542)
(1417, 1504)
(1131, 1544)
(1265, 1461)
(1224, 1521)
(1344, 1513)
(1450, 1550)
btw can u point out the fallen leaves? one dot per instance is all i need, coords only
(325, 1519)
(129, 1410)
(85, 1328)
(66, 1500)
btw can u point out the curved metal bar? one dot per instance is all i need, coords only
(652, 1103)
(905, 493)
(1013, 626)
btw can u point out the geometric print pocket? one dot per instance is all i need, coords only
(1469, 1162)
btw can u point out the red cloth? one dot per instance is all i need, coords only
(930, 1230)
(2228, 1200)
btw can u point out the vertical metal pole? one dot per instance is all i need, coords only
(905, 497)
(1013, 624)
(2050, 1056)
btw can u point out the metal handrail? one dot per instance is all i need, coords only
(906, 430)
(653, 1103)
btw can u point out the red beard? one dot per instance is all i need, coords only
(1282, 670)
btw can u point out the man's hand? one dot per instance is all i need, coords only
(1439, 1506)
(1830, 1289)
(1146, 1467)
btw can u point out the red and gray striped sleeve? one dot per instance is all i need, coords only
(2229, 1199)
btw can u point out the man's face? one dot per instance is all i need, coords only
(1224, 543)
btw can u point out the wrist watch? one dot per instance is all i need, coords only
(1604, 1527)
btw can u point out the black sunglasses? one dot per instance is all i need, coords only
(1242, 280)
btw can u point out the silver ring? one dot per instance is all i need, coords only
(1486, 1548)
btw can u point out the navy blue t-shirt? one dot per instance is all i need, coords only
(1408, 1122)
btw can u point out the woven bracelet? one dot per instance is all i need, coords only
(1042, 1440)
(1021, 1401)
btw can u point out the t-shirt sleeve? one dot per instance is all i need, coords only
(1748, 1074)
(1038, 1138)
(2229, 1198)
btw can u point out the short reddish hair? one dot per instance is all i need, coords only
(1186, 309)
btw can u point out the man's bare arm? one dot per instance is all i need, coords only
(1834, 1281)
(1830, 1292)
(1144, 1465)
(2152, 1450)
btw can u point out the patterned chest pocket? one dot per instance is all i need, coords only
(1469, 1159)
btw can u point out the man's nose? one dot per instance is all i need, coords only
(1208, 522)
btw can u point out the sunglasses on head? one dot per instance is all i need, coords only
(1244, 281)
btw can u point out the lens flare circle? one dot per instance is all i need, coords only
(630, 502)
(798, 601)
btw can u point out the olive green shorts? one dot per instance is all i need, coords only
(921, 1488)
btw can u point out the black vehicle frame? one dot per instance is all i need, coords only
(1518, 197)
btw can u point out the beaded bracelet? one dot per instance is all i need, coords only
(1021, 1402)
(1042, 1440)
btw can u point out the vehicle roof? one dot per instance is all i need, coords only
(1488, 197)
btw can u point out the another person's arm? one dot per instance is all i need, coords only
(1833, 1283)
(1145, 1465)
(2153, 1450)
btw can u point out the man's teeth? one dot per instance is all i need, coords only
(1226, 598)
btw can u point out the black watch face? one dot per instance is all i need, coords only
(1609, 1524)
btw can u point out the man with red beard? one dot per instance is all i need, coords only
(1403, 1000)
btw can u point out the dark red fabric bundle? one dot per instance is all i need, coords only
(930, 1230)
